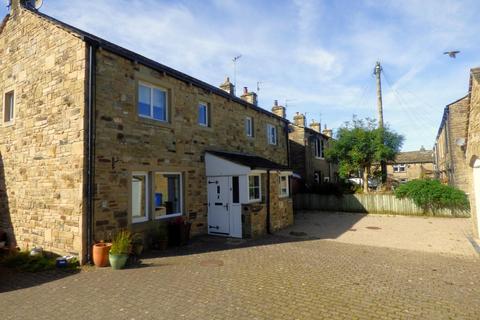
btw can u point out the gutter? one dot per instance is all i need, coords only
(267, 200)
(90, 147)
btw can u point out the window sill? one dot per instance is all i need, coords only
(283, 196)
(160, 123)
(9, 123)
(139, 220)
(168, 216)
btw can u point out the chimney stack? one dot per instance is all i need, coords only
(328, 132)
(228, 87)
(14, 6)
(299, 120)
(315, 126)
(278, 110)
(250, 97)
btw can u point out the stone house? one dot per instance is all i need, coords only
(450, 143)
(472, 152)
(307, 151)
(411, 165)
(96, 138)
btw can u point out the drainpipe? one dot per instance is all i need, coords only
(287, 139)
(267, 200)
(90, 148)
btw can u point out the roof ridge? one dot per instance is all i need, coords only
(131, 55)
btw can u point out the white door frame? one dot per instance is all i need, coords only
(476, 190)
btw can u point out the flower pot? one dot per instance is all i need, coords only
(137, 249)
(100, 254)
(118, 261)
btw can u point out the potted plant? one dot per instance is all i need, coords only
(120, 248)
(137, 244)
(179, 232)
(100, 253)
(159, 238)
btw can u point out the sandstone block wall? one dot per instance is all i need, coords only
(302, 153)
(127, 143)
(42, 151)
(473, 143)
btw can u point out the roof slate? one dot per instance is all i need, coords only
(123, 52)
(415, 157)
(251, 161)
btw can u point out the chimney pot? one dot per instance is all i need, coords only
(275, 103)
(245, 90)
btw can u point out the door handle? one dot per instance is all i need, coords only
(226, 206)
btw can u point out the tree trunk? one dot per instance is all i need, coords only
(366, 174)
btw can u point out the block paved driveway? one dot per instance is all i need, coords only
(277, 277)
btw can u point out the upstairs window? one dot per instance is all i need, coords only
(319, 148)
(272, 134)
(152, 102)
(203, 114)
(249, 127)
(399, 167)
(9, 107)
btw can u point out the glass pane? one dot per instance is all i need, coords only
(235, 190)
(159, 105)
(167, 194)
(144, 101)
(202, 114)
(139, 196)
(9, 103)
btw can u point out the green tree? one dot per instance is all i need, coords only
(358, 145)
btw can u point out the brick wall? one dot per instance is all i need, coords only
(136, 144)
(42, 151)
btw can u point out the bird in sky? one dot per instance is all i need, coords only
(452, 54)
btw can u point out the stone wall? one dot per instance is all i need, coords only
(473, 143)
(412, 171)
(127, 143)
(450, 157)
(42, 150)
(302, 153)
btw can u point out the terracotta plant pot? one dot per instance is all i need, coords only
(100, 254)
(118, 261)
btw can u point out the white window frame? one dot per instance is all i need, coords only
(207, 114)
(259, 188)
(147, 197)
(280, 193)
(272, 139)
(319, 148)
(326, 179)
(180, 196)
(397, 168)
(12, 107)
(151, 86)
(249, 126)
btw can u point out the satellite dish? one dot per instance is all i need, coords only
(34, 4)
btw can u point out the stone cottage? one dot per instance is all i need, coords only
(472, 154)
(96, 138)
(450, 144)
(307, 151)
(411, 165)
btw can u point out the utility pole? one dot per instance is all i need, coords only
(377, 71)
(235, 59)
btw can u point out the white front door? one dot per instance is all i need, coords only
(218, 205)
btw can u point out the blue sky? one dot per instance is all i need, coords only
(318, 56)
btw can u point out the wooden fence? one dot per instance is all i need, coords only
(369, 203)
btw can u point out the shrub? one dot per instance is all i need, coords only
(121, 243)
(431, 194)
(23, 261)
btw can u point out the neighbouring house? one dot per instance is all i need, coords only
(95, 138)
(307, 152)
(449, 148)
(472, 152)
(411, 165)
